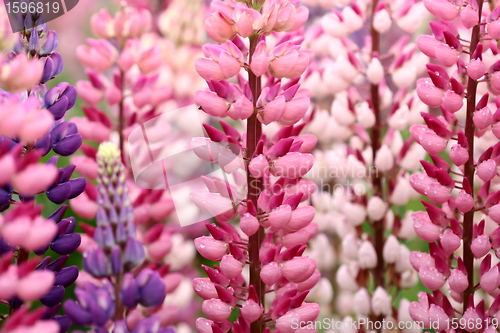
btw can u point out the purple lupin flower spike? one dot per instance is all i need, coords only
(117, 254)
(24, 231)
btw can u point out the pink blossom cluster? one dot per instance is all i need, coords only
(322, 129)
(131, 71)
(261, 267)
(460, 218)
(362, 83)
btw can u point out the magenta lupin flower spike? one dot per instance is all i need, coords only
(274, 217)
(132, 78)
(362, 85)
(462, 213)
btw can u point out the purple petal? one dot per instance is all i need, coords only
(101, 217)
(63, 86)
(4, 247)
(61, 228)
(109, 239)
(41, 251)
(134, 254)
(99, 316)
(68, 145)
(60, 193)
(53, 297)
(143, 277)
(63, 130)
(76, 313)
(77, 187)
(113, 215)
(129, 291)
(50, 44)
(48, 69)
(66, 244)
(68, 171)
(64, 323)
(58, 264)
(43, 264)
(70, 93)
(58, 214)
(15, 302)
(116, 260)
(154, 291)
(53, 160)
(26, 198)
(51, 96)
(96, 263)
(39, 23)
(58, 63)
(67, 276)
(4, 197)
(43, 145)
(71, 225)
(51, 312)
(145, 325)
(121, 233)
(100, 235)
(34, 42)
(59, 108)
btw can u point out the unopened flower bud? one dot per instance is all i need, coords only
(361, 302)
(367, 257)
(458, 281)
(375, 71)
(216, 310)
(480, 246)
(490, 280)
(376, 208)
(431, 277)
(450, 242)
(391, 249)
(381, 302)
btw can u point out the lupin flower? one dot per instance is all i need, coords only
(269, 205)
(364, 161)
(31, 115)
(145, 71)
(21, 73)
(458, 197)
(117, 253)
